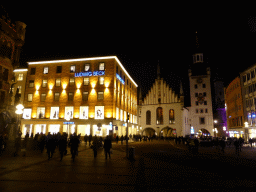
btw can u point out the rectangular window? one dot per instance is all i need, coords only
(196, 94)
(33, 71)
(56, 96)
(57, 82)
(31, 83)
(86, 81)
(30, 97)
(84, 112)
(87, 67)
(72, 81)
(27, 113)
(54, 113)
(100, 95)
(99, 112)
(69, 111)
(205, 102)
(85, 96)
(43, 97)
(196, 102)
(46, 70)
(195, 86)
(196, 110)
(204, 86)
(40, 112)
(44, 83)
(70, 96)
(19, 87)
(72, 69)
(20, 77)
(101, 80)
(206, 110)
(244, 78)
(201, 110)
(59, 69)
(101, 66)
(202, 120)
(204, 94)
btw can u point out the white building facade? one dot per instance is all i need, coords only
(162, 112)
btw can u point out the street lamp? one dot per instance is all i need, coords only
(19, 111)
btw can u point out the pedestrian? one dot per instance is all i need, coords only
(95, 146)
(122, 138)
(85, 139)
(74, 142)
(62, 146)
(90, 139)
(236, 143)
(250, 141)
(240, 142)
(107, 146)
(117, 138)
(50, 145)
(196, 146)
(222, 145)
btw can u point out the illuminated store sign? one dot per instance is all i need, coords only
(120, 79)
(68, 123)
(88, 74)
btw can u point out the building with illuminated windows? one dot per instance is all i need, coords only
(86, 95)
(234, 108)
(162, 112)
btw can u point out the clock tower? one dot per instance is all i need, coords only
(201, 115)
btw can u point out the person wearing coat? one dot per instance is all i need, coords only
(107, 146)
(95, 145)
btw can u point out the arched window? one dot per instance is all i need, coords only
(159, 115)
(148, 117)
(171, 116)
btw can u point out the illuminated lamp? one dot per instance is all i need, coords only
(76, 116)
(64, 86)
(246, 124)
(37, 87)
(78, 85)
(50, 87)
(93, 85)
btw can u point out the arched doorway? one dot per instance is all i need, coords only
(150, 132)
(203, 133)
(167, 132)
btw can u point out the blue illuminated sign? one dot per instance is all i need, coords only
(68, 122)
(88, 74)
(120, 79)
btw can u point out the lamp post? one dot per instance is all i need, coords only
(68, 119)
(19, 111)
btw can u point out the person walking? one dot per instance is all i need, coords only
(236, 143)
(107, 147)
(74, 142)
(62, 146)
(117, 138)
(122, 139)
(250, 141)
(222, 145)
(95, 145)
(90, 139)
(50, 145)
(85, 139)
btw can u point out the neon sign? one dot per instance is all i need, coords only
(120, 79)
(88, 74)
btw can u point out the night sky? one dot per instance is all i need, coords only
(140, 35)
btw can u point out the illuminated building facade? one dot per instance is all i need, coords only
(86, 95)
(234, 109)
(12, 38)
(248, 85)
(162, 111)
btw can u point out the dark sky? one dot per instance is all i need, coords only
(140, 35)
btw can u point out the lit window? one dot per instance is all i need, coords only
(43, 97)
(20, 77)
(171, 116)
(100, 95)
(27, 113)
(31, 83)
(45, 70)
(58, 82)
(84, 112)
(44, 84)
(54, 113)
(85, 96)
(159, 115)
(101, 80)
(87, 67)
(148, 117)
(56, 96)
(72, 81)
(40, 112)
(72, 69)
(70, 96)
(86, 81)
(30, 97)
(19, 87)
(69, 111)
(101, 66)
(99, 112)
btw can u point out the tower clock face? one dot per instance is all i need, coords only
(200, 98)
